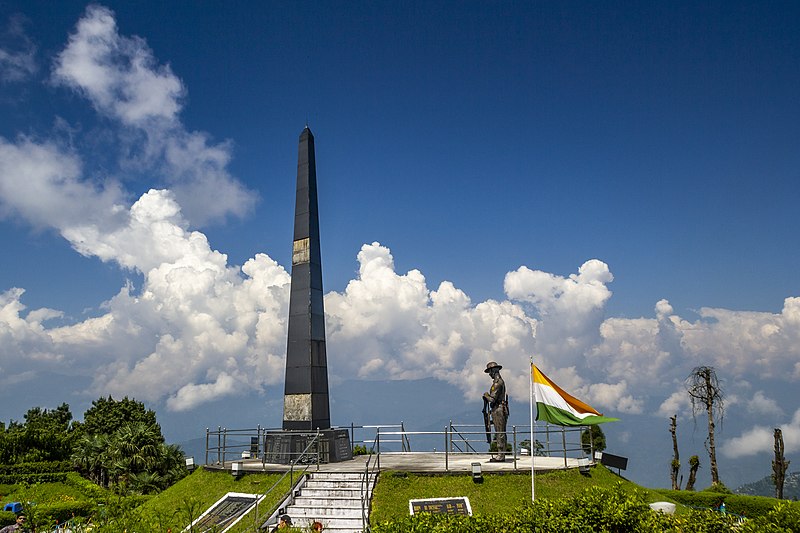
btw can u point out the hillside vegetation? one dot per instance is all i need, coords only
(565, 501)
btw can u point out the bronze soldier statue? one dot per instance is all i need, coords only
(498, 402)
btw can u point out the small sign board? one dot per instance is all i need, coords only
(225, 512)
(455, 505)
(614, 461)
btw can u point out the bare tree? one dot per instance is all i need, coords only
(706, 393)
(694, 464)
(675, 466)
(779, 465)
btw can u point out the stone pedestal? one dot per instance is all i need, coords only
(283, 447)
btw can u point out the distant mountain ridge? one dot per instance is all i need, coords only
(765, 487)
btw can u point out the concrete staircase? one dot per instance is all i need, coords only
(333, 498)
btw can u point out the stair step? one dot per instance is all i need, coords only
(333, 498)
(332, 512)
(331, 484)
(328, 523)
(325, 493)
(341, 503)
(339, 475)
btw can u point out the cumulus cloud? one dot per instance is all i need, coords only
(42, 183)
(393, 326)
(760, 439)
(17, 52)
(760, 404)
(677, 403)
(199, 329)
(117, 74)
(570, 309)
(123, 80)
(196, 331)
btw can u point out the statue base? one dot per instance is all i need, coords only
(283, 447)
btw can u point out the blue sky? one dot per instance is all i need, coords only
(610, 188)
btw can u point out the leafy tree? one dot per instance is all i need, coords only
(705, 392)
(123, 448)
(45, 435)
(107, 415)
(593, 438)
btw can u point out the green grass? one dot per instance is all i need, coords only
(394, 489)
(191, 496)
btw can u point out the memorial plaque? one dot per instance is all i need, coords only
(286, 446)
(225, 512)
(343, 451)
(457, 505)
(277, 447)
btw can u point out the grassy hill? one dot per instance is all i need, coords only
(187, 499)
(390, 499)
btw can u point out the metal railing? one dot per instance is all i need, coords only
(360, 435)
(457, 439)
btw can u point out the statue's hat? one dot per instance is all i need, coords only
(492, 365)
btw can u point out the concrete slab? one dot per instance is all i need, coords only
(422, 462)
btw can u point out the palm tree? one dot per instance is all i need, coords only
(145, 482)
(91, 456)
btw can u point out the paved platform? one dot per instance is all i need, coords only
(421, 462)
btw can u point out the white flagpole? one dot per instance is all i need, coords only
(533, 433)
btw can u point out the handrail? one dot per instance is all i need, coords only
(366, 481)
(290, 473)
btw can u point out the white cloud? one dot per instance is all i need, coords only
(570, 309)
(122, 79)
(760, 404)
(677, 403)
(17, 53)
(392, 326)
(41, 182)
(760, 439)
(118, 74)
(614, 397)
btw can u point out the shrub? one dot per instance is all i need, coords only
(30, 479)
(782, 518)
(596, 509)
(749, 506)
(41, 467)
(63, 511)
(7, 518)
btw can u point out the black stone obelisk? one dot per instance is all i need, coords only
(305, 400)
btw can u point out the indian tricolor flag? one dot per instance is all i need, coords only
(556, 406)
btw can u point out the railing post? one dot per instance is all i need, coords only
(352, 438)
(319, 448)
(219, 444)
(224, 444)
(378, 446)
(547, 430)
(446, 452)
(450, 446)
(514, 449)
(206, 463)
